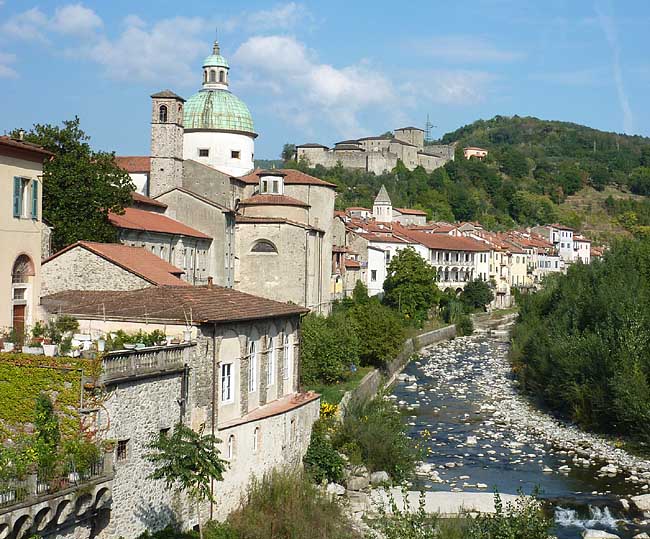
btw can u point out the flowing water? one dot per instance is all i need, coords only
(448, 400)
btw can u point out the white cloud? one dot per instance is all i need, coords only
(6, 71)
(464, 49)
(318, 91)
(164, 52)
(449, 86)
(30, 25)
(75, 19)
(277, 18)
(608, 26)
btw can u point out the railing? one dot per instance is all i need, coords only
(126, 363)
(42, 483)
(450, 263)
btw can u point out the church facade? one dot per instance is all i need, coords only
(270, 231)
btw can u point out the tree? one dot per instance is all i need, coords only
(48, 434)
(379, 330)
(640, 181)
(80, 185)
(288, 152)
(410, 285)
(477, 294)
(189, 462)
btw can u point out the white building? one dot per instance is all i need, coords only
(582, 248)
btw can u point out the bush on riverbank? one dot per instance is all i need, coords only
(582, 343)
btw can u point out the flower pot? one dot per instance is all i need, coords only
(129, 346)
(139, 345)
(8, 347)
(50, 349)
(187, 335)
(101, 345)
(33, 350)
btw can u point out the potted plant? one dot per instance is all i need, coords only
(101, 344)
(187, 335)
(49, 348)
(33, 347)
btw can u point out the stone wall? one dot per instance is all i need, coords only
(79, 269)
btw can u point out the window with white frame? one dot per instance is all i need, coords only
(252, 366)
(256, 439)
(272, 361)
(288, 357)
(226, 383)
(25, 199)
(230, 447)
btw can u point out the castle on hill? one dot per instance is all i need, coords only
(381, 153)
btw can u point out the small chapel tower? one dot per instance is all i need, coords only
(382, 208)
(166, 142)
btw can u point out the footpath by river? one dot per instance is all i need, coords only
(479, 434)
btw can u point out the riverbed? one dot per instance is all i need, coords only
(478, 435)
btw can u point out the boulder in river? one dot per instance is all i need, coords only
(598, 534)
(642, 503)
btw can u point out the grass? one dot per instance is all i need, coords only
(333, 393)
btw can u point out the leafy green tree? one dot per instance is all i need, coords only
(477, 294)
(187, 461)
(640, 181)
(288, 152)
(48, 434)
(410, 286)
(80, 185)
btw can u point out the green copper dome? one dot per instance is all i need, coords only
(217, 109)
(215, 60)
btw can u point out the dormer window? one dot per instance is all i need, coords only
(162, 114)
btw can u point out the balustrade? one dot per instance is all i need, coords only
(124, 363)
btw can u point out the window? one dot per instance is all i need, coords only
(264, 246)
(23, 268)
(276, 186)
(230, 448)
(270, 370)
(252, 366)
(122, 450)
(256, 439)
(213, 75)
(373, 275)
(162, 114)
(387, 256)
(204, 152)
(164, 432)
(24, 204)
(226, 382)
(235, 154)
(19, 293)
(222, 76)
(287, 357)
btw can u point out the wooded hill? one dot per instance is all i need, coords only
(532, 167)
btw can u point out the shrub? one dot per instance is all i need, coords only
(376, 428)
(464, 326)
(477, 294)
(286, 504)
(322, 462)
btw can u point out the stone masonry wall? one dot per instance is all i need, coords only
(79, 269)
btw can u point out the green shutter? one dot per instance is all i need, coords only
(35, 200)
(18, 202)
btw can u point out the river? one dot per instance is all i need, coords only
(457, 399)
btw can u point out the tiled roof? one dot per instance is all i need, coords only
(409, 211)
(312, 145)
(292, 177)
(273, 200)
(135, 219)
(378, 238)
(445, 242)
(170, 304)
(167, 94)
(410, 128)
(146, 201)
(23, 145)
(382, 196)
(352, 264)
(136, 260)
(134, 163)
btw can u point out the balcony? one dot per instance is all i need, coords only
(123, 364)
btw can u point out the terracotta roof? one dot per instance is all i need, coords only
(135, 219)
(23, 145)
(409, 211)
(475, 148)
(561, 227)
(293, 177)
(273, 200)
(201, 304)
(445, 242)
(134, 163)
(142, 199)
(136, 260)
(352, 208)
(352, 264)
(378, 238)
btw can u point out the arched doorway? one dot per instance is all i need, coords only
(21, 276)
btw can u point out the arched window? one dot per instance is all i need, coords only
(205, 76)
(23, 268)
(256, 439)
(288, 356)
(272, 356)
(162, 114)
(213, 75)
(222, 76)
(264, 246)
(252, 366)
(230, 448)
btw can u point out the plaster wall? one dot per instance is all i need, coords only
(376, 271)
(208, 182)
(141, 182)
(220, 146)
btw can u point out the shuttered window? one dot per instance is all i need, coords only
(35, 200)
(18, 196)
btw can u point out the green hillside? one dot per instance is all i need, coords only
(537, 171)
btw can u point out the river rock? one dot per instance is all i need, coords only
(643, 535)
(335, 489)
(598, 534)
(378, 478)
(358, 483)
(642, 503)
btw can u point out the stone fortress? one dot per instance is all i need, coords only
(381, 153)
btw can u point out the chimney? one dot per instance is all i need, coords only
(210, 282)
(21, 134)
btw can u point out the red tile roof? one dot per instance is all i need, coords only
(409, 211)
(23, 145)
(378, 238)
(171, 304)
(352, 264)
(135, 219)
(445, 242)
(273, 200)
(292, 177)
(134, 163)
(145, 200)
(136, 260)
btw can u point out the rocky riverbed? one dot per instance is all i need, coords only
(478, 433)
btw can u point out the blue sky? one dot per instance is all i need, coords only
(316, 71)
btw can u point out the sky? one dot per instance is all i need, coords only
(326, 71)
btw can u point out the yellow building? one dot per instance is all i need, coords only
(21, 170)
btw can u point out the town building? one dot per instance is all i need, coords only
(379, 154)
(472, 152)
(21, 231)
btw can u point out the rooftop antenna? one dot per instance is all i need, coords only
(427, 129)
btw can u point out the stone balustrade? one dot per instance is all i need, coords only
(123, 364)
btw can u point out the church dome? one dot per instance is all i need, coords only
(218, 110)
(215, 60)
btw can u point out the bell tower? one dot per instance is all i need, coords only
(166, 142)
(382, 208)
